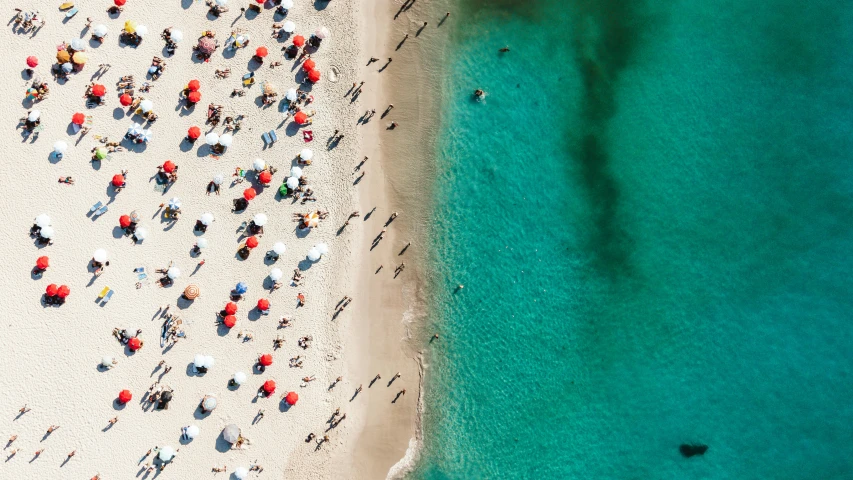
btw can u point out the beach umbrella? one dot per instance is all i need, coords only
(146, 135)
(42, 220)
(32, 62)
(263, 304)
(193, 431)
(176, 36)
(194, 97)
(60, 147)
(312, 219)
(239, 378)
(77, 44)
(125, 100)
(206, 218)
(309, 65)
(291, 398)
(51, 290)
(269, 387)
(291, 94)
(46, 232)
(42, 262)
(201, 242)
(314, 254)
(295, 172)
(174, 203)
(269, 88)
(80, 57)
(265, 360)
(32, 93)
(241, 288)
(265, 177)
(34, 115)
(141, 30)
(226, 139)
(99, 90)
(231, 433)
(173, 273)
(167, 452)
(306, 154)
(198, 361)
(124, 396)
(100, 30)
(107, 361)
(146, 106)
(209, 403)
(120, 3)
(321, 32)
(249, 193)
(211, 138)
(191, 292)
(140, 233)
(208, 361)
(118, 180)
(279, 248)
(260, 219)
(169, 166)
(63, 291)
(300, 118)
(218, 179)
(221, 3)
(67, 67)
(276, 274)
(282, 189)
(314, 76)
(259, 164)
(124, 221)
(134, 129)
(231, 308)
(194, 132)
(78, 118)
(289, 26)
(101, 153)
(322, 248)
(252, 242)
(206, 45)
(261, 52)
(299, 40)
(288, 4)
(230, 321)
(193, 85)
(240, 473)
(134, 344)
(63, 56)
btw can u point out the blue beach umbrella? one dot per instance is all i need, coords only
(241, 288)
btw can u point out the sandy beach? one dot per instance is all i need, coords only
(53, 353)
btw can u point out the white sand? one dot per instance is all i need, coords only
(51, 354)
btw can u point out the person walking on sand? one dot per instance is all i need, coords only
(52, 429)
(358, 390)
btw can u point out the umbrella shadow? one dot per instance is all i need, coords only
(183, 303)
(222, 446)
(118, 406)
(254, 314)
(192, 372)
(305, 265)
(186, 145)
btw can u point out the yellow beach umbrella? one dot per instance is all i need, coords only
(80, 57)
(130, 26)
(63, 56)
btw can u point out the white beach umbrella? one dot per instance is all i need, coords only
(279, 248)
(276, 274)
(288, 4)
(292, 183)
(134, 129)
(218, 179)
(47, 232)
(193, 431)
(240, 473)
(198, 361)
(322, 248)
(166, 453)
(260, 219)
(206, 218)
(314, 254)
(259, 164)
(34, 115)
(147, 134)
(107, 361)
(60, 147)
(291, 94)
(231, 433)
(174, 203)
(322, 32)
(141, 30)
(306, 154)
(146, 106)
(173, 273)
(78, 44)
(226, 139)
(208, 361)
(209, 403)
(289, 26)
(221, 3)
(100, 30)
(239, 378)
(201, 242)
(42, 220)
(140, 233)
(100, 255)
(295, 172)
(211, 139)
(177, 36)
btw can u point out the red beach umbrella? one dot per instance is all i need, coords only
(63, 291)
(230, 321)
(78, 118)
(252, 242)
(42, 263)
(263, 304)
(261, 2)
(194, 97)
(169, 166)
(125, 100)
(118, 180)
(265, 177)
(300, 118)
(124, 221)
(309, 65)
(51, 290)
(314, 76)
(299, 40)
(269, 387)
(99, 90)
(120, 3)
(291, 398)
(230, 308)
(32, 62)
(124, 396)
(261, 52)
(194, 85)
(265, 360)
(194, 132)
(134, 344)
(249, 193)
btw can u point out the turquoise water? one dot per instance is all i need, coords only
(651, 215)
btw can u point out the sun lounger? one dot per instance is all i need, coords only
(105, 291)
(109, 296)
(273, 136)
(266, 138)
(102, 210)
(96, 206)
(72, 12)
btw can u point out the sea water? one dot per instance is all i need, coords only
(650, 213)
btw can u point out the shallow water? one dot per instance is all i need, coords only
(650, 213)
